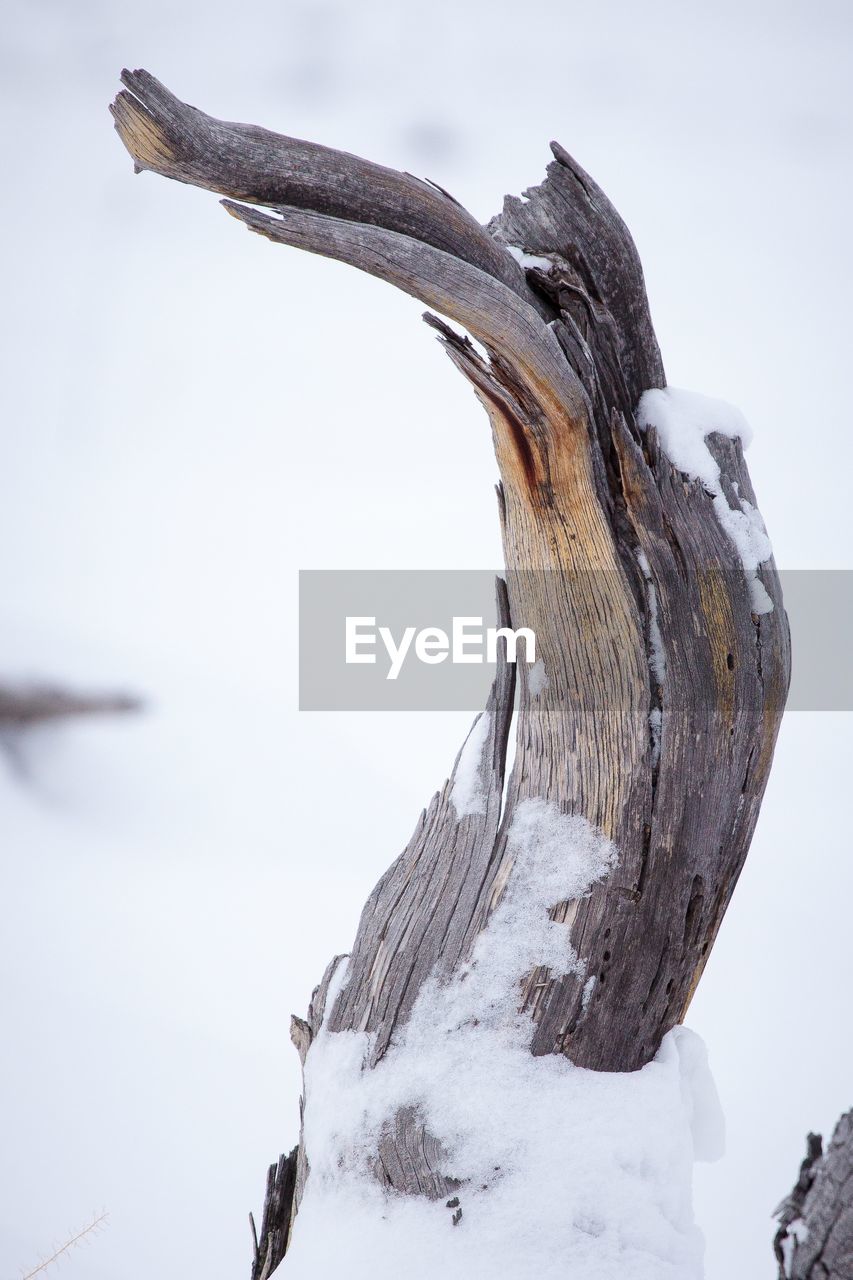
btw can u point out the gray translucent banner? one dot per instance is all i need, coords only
(371, 640)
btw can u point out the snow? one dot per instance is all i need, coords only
(683, 421)
(797, 1233)
(707, 1123)
(528, 260)
(656, 727)
(468, 793)
(747, 532)
(537, 678)
(555, 857)
(657, 653)
(565, 1172)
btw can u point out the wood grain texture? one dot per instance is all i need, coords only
(815, 1236)
(270, 1247)
(605, 544)
(169, 137)
(419, 918)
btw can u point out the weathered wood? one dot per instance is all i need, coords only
(270, 1247)
(599, 290)
(421, 914)
(815, 1236)
(614, 558)
(178, 141)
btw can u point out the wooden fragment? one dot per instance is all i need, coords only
(613, 557)
(815, 1236)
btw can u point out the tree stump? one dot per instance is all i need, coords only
(635, 553)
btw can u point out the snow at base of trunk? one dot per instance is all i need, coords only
(564, 1172)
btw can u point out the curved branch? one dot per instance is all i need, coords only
(248, 163)
(493, 313)
(389, 224)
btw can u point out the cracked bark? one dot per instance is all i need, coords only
(593, 516)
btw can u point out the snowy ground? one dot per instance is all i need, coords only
(174, 884)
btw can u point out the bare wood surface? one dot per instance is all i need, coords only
(421, 914)
(605, 542)
(248, 163)
(269, 1248)
(815, 1236)
(600, 289)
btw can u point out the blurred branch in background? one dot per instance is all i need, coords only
(27, 704)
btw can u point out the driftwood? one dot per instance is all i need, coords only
(815, 1236)
(614, 558)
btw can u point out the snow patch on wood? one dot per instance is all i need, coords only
(657, 652)
(683, 420)
(537, 678)
(528, 260)
(468, 794)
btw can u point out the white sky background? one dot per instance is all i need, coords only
(193, 414)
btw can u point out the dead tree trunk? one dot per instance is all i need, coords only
(655, 604)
